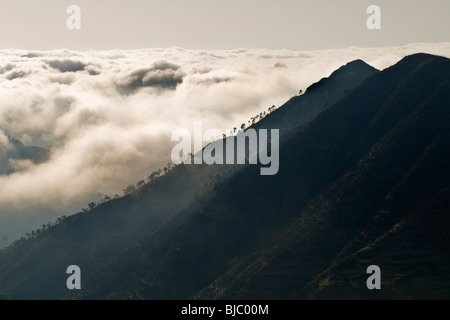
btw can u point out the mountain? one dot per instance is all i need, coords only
(363, 180)
(298, 111)
(384, 147)
(15, 151)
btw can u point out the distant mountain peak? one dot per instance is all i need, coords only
(348, 70)
(357, 64)
(420, 55)
(18, 151)
(299, 110)
(16, 143)
(418, 59)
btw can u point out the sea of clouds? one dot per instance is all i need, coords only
(107, 116)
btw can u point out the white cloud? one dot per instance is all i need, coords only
(107, 116)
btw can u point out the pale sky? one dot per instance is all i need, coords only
(218, 24)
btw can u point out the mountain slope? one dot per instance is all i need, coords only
(299, 110)
(333, 236)
(269, 237)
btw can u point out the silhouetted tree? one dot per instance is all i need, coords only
(92, 205)
(130, 189)
(151, 177)
(140, 184)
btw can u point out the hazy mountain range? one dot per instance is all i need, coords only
(14, 154)
(363, 180)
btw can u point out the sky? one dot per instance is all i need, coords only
(219, 24)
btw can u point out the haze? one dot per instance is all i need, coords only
(230, 24)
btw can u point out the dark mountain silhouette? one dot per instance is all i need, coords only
(363, 180)
(299, 110)
(385, 205)
(16, 150)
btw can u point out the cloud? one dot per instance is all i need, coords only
(30, 55)
(6, 68)
(201, 69)
(16, 74)
(280, 65)
(107, 116)
(293, 56)
(214, 55)
(162, 75)
(93, 71)
(66, 65)
(213, 77)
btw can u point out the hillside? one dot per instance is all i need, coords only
(386, 205)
